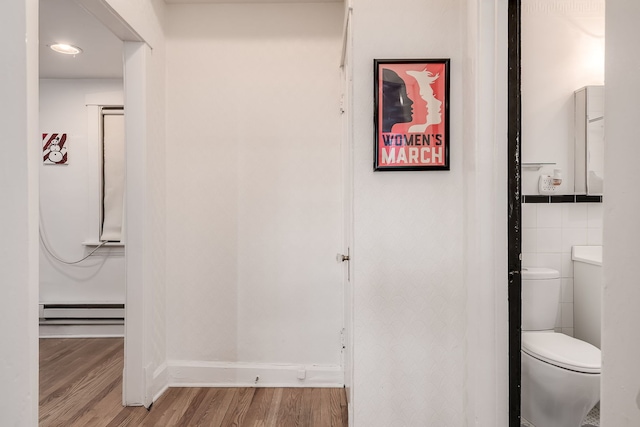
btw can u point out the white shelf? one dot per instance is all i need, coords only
(106, 245)
(535, 166)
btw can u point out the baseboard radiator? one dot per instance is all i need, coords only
(78, 314)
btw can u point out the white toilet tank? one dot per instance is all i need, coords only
(540, 298)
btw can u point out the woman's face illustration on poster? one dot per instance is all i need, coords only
(396, 104)
(434, 106)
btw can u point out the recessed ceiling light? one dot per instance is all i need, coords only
(67, 49)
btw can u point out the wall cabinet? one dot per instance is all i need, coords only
(589, 140)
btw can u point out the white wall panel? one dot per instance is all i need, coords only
(68, 218)
(620, 403)
(19, 213)
(409, 332)
(254, 183)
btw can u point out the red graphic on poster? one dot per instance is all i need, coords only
(54, 151)
(411, 115)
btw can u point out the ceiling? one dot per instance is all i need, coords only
(64, 21)
(252, 1)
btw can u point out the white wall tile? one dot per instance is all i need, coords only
(567, 290)
(550, 260)
(594, 215)
(559, 317)
(567, 315)
(567, 265)
(549, 215)
(573, 237)
(567, 331)
(594, 236)
(529, 259)
(574, 215)
(550, 239)
(529, 240)
(529, 215)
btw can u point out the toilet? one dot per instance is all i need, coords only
(560, 380)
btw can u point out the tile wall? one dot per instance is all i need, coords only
(549, 230)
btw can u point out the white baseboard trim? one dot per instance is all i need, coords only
(183, 373)
(81, 331)
(159, 382)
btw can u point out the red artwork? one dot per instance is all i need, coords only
(411, 114)
(54, 150)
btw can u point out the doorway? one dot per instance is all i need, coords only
(133, 50)
(82, 276)
(545, 72)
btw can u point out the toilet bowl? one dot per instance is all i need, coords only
(560, 380)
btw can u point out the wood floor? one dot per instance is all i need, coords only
(81, 385)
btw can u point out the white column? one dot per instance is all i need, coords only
(620, 393)
(19, 158)
(485, 166)
(137, 228)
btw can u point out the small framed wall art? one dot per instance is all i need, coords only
(411, 114)
(54, 149)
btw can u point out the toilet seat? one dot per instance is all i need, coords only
(562, 351)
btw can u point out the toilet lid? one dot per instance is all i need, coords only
(563, 351)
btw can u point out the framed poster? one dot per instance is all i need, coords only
(54, 149)
(411, 114)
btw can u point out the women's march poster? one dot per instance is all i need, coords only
(411, 114)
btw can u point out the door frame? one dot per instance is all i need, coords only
(136, 387)
(514, 133)
(347, 207)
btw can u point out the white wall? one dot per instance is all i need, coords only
(68, 217)
(19, 213)
(254, 209)
(562, 51)
(620, 404)
(409, 292)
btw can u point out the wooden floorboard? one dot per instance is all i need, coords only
(81, 386)
(259, 410)
(272, 415)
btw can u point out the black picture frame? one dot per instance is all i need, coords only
(411, 114)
